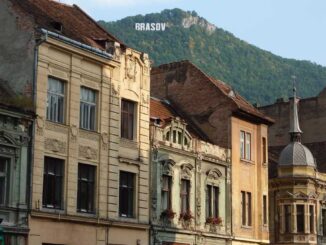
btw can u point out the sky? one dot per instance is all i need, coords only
(289, 28)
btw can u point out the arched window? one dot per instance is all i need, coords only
(177, 135)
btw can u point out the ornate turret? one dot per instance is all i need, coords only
(295, 153)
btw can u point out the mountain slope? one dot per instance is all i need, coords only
(258, 75)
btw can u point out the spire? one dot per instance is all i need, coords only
(295, 130)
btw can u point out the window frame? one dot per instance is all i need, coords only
(245, 145)
(127, 125)
(265, 210)
(264, 150)
(185, 195)
(131, 192)
(312, 219)
(287, 218)
(212, 201)
(246, 209)
(56, 95)
(323, 214)
(59, 164)
(6, 177)
(167, 192)
(90, 182)
(300, 216)
(91, 123)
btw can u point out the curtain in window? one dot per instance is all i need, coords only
(87, 108)
(55, 101)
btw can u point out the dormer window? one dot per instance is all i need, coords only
(57, 26)
(178, 136)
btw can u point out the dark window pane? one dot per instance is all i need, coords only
(312, 219)
(243, 207)
(126, 194)
(52, 182)
(324, 221)
(287, 216)
(86, 188)
(127, 119)
(265, 210)
(249, 208)
(300, 218)
(185, 188)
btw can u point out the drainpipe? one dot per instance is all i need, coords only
(32, 131)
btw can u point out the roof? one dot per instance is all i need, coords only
(296, 154)
(163, 110)
(76, 24)
(244, 108)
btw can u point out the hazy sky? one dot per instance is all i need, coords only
(289, 28)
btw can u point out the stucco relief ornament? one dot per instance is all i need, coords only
(130, 67)
(186, 171)
(39, 125)
(115, 89)
(73, 133)
(105, 141)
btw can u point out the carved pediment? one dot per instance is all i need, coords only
(186, 171)
(214, 174)
(297, 195)
(167, 166)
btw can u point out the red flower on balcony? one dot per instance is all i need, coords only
(168, 214)
(186, 216)
(214, 220)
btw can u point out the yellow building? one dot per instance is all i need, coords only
(230, 122)
(91, 144)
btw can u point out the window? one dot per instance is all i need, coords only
(52, 182)
(246, 208)
(264, 209)
(55, 101)
(264, 150)
(324, 221)
(300, 218)
(166, 192)
(4, 174)
(126, 197)
(245, 145)
(287, 218)
(87, 108)
(212, 201)
(179, 136)
(86, 188)
(312, 218)
(127, 119)
(185, 195)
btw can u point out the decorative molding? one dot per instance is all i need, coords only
(55, 145)
(167, 166)
(39, 125)
(214, 174)
(89, 135)
(87, 152)
(186, 171)
(73, 133)
(59, 128)
(105, 140)
(130, 161)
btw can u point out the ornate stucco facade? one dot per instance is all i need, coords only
(186, 157)
(230, 122)
(15, 145)
(90, 173)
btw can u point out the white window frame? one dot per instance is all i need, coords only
(54, 98)
(86, 120)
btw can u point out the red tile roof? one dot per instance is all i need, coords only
(163, 110)
(76, 24)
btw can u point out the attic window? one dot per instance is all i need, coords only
(57, 26)
(178, 136)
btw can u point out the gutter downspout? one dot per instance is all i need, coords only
(30, 166)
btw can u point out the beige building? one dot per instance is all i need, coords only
(297, 191)
(190, 182)
(91, 146)
(230, 122)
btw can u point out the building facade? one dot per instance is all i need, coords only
(90, 175)
(15, 146)
(190, 182)
(297, 192)
(230, 122)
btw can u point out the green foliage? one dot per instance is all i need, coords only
(258, 75)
